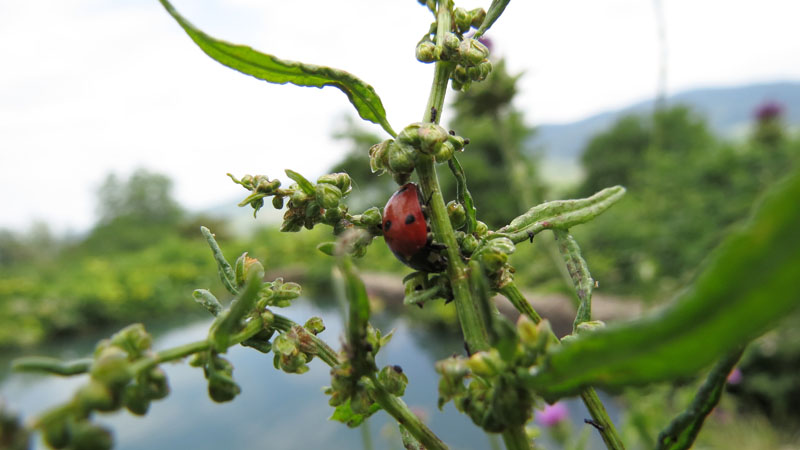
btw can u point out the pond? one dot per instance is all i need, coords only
(275, 410)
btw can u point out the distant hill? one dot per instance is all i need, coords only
(729, 111)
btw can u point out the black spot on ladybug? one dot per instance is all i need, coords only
(410, 219)
(387, 225)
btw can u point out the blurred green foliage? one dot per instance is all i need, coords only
(685, 189)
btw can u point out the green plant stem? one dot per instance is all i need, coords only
(516, 439)
(601, 420)
(588, 395)
(471, 325)
(398, 409)
(682, 431)
(512, 293)
(52, 366)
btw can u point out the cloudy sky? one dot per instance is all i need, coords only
(88, 87)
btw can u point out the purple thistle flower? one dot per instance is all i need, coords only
(768, 110)
(552, 414)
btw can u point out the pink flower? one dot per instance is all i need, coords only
(552, 414)
(735, 377)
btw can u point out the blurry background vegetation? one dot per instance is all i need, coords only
(687, 185)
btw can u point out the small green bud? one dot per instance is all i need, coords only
(268, 187)
(285, 291)
(485, 364)
(245, 266)
(133, 339)
(371, 217)
(472, 52)
(86, 436)
(462, 19)
(431, 137)
(328, 195)
(528, 333)
(111, 367)
(360, 402)
(299, 197)
(277, 202)
(469, 244)
(592, 325)
(393, 380)
(451, 42)
(378, 156)
(334, 215)
(401, 159)
(477, 16)
(135, 399)
(426, 52)
(157, 384)
(339, 179)
(409, 136)
(444, 152)
(247, 181)
(481, 230)
(460, 74)
(485, 68)
(458, 217)
(222, 388)
(314, 325)
(96, 396)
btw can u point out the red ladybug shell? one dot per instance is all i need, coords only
(404, 226)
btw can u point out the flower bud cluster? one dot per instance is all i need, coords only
(112, 385)
(347, 390)
(494, 398)
(470, 55)
(308, 204)
(493, 255)
(398, 157)
(219, 373)
(294, 348)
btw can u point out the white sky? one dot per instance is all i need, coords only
(89, 86)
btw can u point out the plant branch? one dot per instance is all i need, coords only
(682, 431)
(398, 409)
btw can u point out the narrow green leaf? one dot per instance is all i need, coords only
(274, 70)
(463, 195)
(749, 283)
(579, 272)
(682, 431)
(560, 214)
(494, 12)
(207, 299)
(224, 268)
(301, 181)
(229, 321)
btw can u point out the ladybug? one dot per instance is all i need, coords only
(405, 230)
